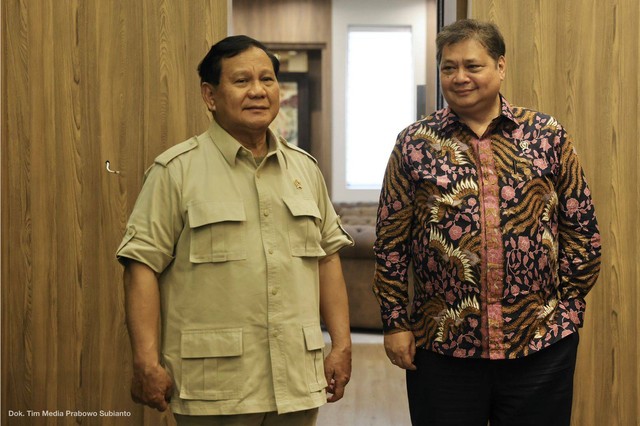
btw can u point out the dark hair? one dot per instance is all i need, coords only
(211, 66)
(486, 33)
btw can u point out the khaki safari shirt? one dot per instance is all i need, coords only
(237, 244)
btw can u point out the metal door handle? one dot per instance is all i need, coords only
(108, 165)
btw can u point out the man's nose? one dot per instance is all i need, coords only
(257, 89)
(460, 76)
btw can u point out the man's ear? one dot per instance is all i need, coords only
(502, 67)
(207, 90)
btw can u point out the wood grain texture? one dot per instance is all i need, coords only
(578, 60)
(84, 82)
(283, 21)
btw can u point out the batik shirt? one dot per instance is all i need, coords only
(499, 231)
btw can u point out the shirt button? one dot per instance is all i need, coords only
(270, 251)
(266, 213)
(258, 175)
(274, 290)
(275, 333)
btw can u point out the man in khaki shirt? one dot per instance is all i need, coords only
(232, 247)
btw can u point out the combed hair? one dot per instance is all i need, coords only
(210, 67)
(486, 33)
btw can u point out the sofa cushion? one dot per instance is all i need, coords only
(357, 213)
(358, 263)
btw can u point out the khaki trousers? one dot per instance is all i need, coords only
(297, 418)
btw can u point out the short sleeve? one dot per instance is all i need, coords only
(155, 223)
(334, 236)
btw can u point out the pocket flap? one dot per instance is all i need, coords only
(215, 211)
(313, 337)
(211, 343)
(302, 207)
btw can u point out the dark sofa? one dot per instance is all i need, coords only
(358, 263)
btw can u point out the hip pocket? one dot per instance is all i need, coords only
(211, 364)
(314, 358)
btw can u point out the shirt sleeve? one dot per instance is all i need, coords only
(334, 236)
(392, 244)
(579, 249)
(155, 223)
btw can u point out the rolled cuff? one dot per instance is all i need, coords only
(337, 239)
(142, 251)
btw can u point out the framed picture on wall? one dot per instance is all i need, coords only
(292, 122)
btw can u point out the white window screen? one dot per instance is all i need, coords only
(380, 100)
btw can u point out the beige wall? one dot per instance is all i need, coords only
(83, 82)
(580, 61)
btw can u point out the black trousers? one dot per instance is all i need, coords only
(535, 390)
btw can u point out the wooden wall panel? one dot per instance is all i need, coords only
(283, 21)
(84, 82)
(110, 46)
(579, 60)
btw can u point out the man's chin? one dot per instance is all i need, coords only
(258, 126)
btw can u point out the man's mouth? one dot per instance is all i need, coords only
(463, 92)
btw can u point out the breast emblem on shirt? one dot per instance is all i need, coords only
(297, 184)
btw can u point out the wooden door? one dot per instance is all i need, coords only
(84, 81)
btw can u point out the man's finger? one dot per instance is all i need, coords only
(162, 406)
(337, 393)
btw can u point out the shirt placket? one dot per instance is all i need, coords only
(264, 181)
(492, 274)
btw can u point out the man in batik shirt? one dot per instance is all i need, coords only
(488, 205)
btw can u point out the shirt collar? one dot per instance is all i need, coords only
(450, 118)
(231, 148)
(507, 111)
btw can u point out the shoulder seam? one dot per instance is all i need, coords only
(298, 149)
(170, 154)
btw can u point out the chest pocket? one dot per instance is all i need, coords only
(218, 231)
(304, 231)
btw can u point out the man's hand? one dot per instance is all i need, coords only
(152, 386)
(401, 349)
(334, 309)
(337, 371)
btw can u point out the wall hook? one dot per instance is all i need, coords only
(108, 165)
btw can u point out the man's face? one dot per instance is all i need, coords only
(247, 99)
(470, 78)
